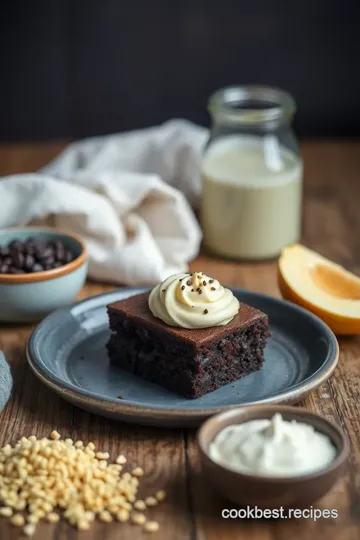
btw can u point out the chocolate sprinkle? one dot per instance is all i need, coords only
(206, 311)
(183, 287)
(213, 289)
(204, 283)
(163, 290)
(211, 281)
(192, 290)
(200, 291)
(188, 282)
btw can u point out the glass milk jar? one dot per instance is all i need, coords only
(252, 174)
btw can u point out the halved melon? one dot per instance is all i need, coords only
(321, 286)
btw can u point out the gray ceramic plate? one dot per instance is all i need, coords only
(67, 352)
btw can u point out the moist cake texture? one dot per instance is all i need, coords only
(190, 362)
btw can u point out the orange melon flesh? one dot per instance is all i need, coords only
(321, 286)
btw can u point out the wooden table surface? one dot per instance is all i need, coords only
(170, 457)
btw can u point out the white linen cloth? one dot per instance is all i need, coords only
(128, 195)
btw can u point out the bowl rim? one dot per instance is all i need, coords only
(45, 275)
(258, 411)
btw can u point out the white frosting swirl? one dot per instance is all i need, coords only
(193, 301)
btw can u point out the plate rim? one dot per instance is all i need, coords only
(122, 407)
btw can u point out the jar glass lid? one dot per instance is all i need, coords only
(251, 105)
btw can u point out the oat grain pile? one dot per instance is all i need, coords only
(38, 477)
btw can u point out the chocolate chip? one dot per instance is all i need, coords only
(59, 252)
(18, 259)
(37, 268)
(68, 256)
(16, 245)
(30, 249)
(39, 251)
(47, 253)
(14, 270)
(33, 255)
(50, 259)
(29, 263)
(58, 244)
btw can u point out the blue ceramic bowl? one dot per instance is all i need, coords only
(30, 297)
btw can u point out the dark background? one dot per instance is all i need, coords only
(73, 68)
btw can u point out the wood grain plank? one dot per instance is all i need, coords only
(192, 511)
(23, 158)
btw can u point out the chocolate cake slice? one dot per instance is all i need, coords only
(191, 362)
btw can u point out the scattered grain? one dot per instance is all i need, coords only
(151, 501)
(30, 529)
(138, 471)
(6, 511)
(42, 475)
(102, 455)
(140, 505)
(53, 517)
(17, 520)
(160, 495)
(138, 518)
(105, 516)
(123, 515)
(151, 526)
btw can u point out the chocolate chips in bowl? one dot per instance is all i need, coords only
(41, 269)
(33, 255)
